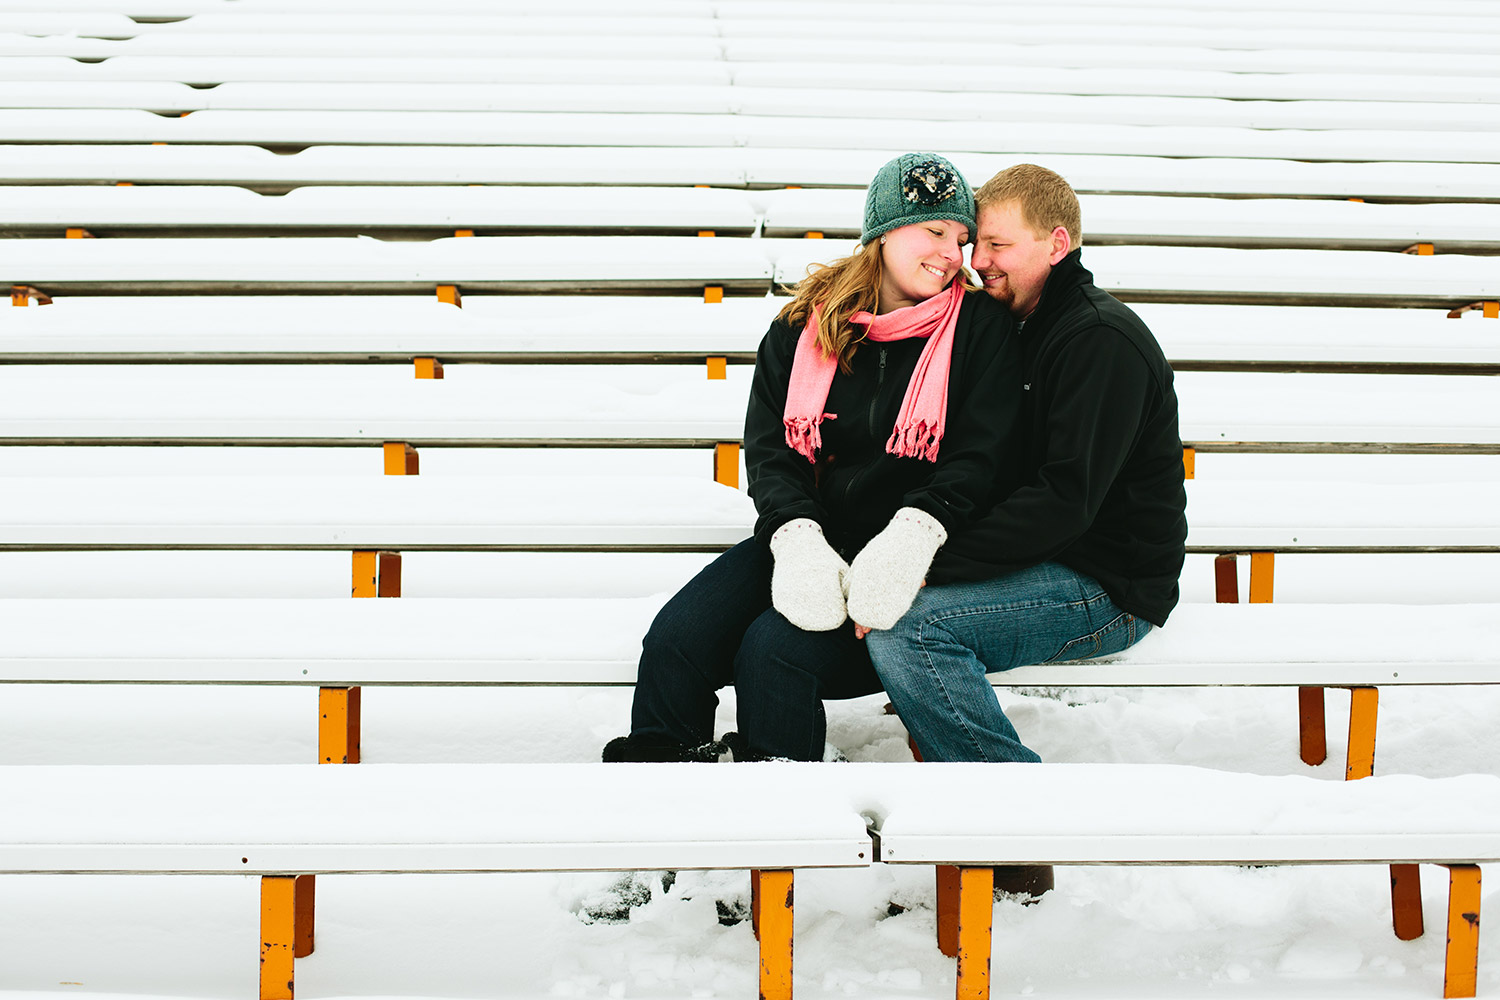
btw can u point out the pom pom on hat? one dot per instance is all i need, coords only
(913, 188)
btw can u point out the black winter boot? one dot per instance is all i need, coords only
(637, 749)
(1026, 882)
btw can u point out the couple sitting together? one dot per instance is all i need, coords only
(950, 480)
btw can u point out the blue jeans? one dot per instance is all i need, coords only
(933, 662)
(720, 629)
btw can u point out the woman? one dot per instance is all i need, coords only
(881, 399)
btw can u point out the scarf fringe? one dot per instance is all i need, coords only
(919, 440)
(804, 435)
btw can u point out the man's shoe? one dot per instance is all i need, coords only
(1026, 882)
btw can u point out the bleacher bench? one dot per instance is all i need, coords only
(964, 816)
(568, 817)
(285, 823)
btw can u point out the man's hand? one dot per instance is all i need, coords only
(807, 579)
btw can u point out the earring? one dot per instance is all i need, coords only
(882, 239)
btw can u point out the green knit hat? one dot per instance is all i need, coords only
(916, 187)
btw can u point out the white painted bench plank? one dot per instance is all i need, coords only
(1205, 83)
(1202, 83)
(1358, 277)
(597, 209)
(835, 102)
(479, 512)
(1102, 53)
(1164, 814)
(1140, 219)
(75, 404)
(383, 164)
(467, 261)
(566, 128)
(1231, 516)
(695, 48)
(718, 166)
(384, 512)
(373, 404)
(1404, 35)
(1291, 17)
(607, 69)
(448, 817)
(485, 262)
(354, 327)
(410, 325)
(518, 641)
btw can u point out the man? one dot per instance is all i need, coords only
(1081, 553)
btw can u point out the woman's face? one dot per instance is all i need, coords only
(919, 260)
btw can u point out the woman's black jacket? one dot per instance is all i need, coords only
(855, 486)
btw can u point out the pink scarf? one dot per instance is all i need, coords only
(924, 410)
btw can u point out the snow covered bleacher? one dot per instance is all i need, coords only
(574, 217)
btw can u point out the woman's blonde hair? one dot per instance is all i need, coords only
(839, 290)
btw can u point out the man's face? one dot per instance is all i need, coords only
(1012, 260)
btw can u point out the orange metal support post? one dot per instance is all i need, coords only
(1262, 577)
(976, 903)
(775, 935)
(338, 725)
(1406, 901)
(713, 293)
(1189, 460)
(365, 571)
(1364, 705)
(1227, 579)
(727, 464)
(718, 369)
(1461, 972)
(277, 931)
(304, 900)
(400, 459)
(428, 368)
(947, 903)
(451, 295)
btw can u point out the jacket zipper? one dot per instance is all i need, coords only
(879, 381)
(875, 399)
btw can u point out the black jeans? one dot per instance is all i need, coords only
(720, 629)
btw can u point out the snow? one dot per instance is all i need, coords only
(1106, 932)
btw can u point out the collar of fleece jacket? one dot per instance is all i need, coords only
(1067, 275)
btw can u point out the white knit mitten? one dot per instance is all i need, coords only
(807, 580)
(888, 572)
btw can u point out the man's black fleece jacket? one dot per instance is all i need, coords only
(1100, 483)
